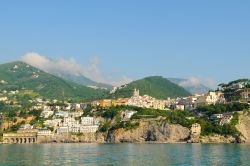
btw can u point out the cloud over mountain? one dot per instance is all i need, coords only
(70, 66)
(196, 81)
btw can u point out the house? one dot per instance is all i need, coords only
(216, 117)
(47, 114)
(209, 98)
(159, 104)
(188, 103)
(44, 132)
(180, 107)
(78, 106)
(237, 86)
(105, 103)
(3, 98)
(26, 127)
(36, 107)
(76, 114)
(88, 121)
(127, 115)
(89, 129)
(145, 101)
(121, 101)
(75, 129)
(95, 103)
(70, 122)
(226, 119)
(244, 94)
(47, 108)
(62, 114)
(53, 123)
(62, 130)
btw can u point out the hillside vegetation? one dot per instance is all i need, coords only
(155, 86)
(19, 75)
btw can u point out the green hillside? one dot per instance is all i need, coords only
(19, 75)
(155, 86)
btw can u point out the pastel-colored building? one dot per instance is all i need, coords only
(44, 132)
(89, 129)
(105, 103)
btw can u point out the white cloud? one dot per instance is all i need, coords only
(195, 81)
(70, 66)
(122, 81)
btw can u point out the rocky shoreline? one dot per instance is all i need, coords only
(151, 131)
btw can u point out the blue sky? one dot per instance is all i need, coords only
(209, 40)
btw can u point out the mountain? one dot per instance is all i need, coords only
(82, 80)
(19, 75)
(155, 86)
(194, 89)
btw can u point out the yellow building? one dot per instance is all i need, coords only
(105, 103)
(158, 104)
(121, 101)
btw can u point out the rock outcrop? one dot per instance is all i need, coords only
(150, 131)
(217, 139)
(244, 127)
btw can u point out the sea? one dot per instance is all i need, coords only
(125, 154)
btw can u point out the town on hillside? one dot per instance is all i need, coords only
(29, 120)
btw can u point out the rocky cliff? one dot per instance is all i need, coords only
(244, 127)
(150, 131)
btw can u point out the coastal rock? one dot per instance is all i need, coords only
(150, 131)
(217, 139)
(244, 127)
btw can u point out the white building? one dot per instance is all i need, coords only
(53, 123)
(62, 114)
(237, 86)
(74, 129)
(88, 121)
(216, 116)
(62, 130)
(47, 114)
(127, 115)
(26, 127)
(46, 108)
(146, 101)
(209, 98)
(44, 132)
(89, 129)
(87, 125)
(180, 107)
(70, 122)
(226, 119)
(3, 98)
(76, 114)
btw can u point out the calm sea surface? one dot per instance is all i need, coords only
(124, 154)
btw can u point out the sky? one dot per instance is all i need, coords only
(115, 41)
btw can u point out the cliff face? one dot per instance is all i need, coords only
(244, 127)
(154, 130)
